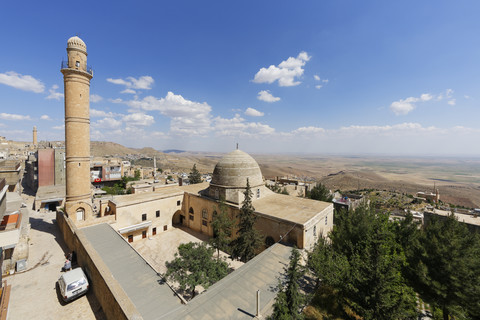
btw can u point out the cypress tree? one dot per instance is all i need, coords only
(195, 176)
(248, 240)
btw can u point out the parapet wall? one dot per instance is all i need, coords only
(114, 301)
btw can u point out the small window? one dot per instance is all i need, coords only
(154, 231)
(77, 64)
(144, 217)
(191, 217)
(190, 210)
(326, 220)
(214, 213)
(144, 234)
(315, 231)
(178, 202)
(130, 238)
(258, 193)
(204, 214)
(157, 213)
(204, 222)
(165, 227)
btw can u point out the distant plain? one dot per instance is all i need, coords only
(458, 179)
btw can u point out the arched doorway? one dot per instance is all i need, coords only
(178, 218)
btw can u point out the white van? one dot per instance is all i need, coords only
(73, 284)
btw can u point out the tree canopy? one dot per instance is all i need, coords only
(320, 192)
(194, 265)
(222, 226)
(448, 270)
(363, 262)
(195, 176)
(249, 239)
(289, 299)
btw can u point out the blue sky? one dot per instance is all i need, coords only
(348, 77)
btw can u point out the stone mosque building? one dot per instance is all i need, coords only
(125, 284)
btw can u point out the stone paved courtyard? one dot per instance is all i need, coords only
(34, 293)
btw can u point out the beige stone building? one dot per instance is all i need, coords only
(283, 218)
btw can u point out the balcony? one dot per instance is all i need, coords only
(65, 65)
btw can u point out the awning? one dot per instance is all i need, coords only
(135, 227)
(52, 200)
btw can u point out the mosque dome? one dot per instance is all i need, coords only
(77, 43)
(233, 170)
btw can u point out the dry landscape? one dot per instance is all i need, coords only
(458, 179)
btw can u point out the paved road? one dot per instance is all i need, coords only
(34, 294)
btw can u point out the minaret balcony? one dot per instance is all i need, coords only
(88, 69)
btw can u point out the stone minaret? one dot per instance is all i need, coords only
(76, 78)
(35, 136)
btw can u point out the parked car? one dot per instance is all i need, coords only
(73, 284)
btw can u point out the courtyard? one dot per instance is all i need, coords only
(34, 294)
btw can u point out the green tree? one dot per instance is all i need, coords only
(284, 191)
(248, 240)
(194, 265)
(450, 278)
(137, 175)
(222, 226)
(320, 192)
(289, 299)
(364, 262)
(195, 176)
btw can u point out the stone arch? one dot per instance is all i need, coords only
(269, 241)
(178, 218)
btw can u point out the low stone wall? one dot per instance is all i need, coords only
(114, 301)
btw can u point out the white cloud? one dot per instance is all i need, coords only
(45, 117)
(253, 113)
(10, 116)
(404, 106)
(452, 102)
(59, 127)
(266, 96)
(286, 73)
(316, 77)
(94, 113)
(466, 97)
(309, 130)
(95, 98)
(187, 117)
(142, 83)
(237, 126)
(54, 94)
(318, 86)
(22, 82)
(131, 91)
(138, 119)
(108, 123)
(325, 80)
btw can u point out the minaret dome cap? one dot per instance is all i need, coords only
(77, 43)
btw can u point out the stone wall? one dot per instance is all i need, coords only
(114, 301)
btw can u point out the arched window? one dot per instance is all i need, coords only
(190, 210)
(258, 193)
(80, 214)
(204, 214)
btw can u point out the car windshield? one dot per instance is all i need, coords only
(76, 284)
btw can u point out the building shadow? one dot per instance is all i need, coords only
(47, 227)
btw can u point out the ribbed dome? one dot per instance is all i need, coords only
(234, 169)
(76, 42)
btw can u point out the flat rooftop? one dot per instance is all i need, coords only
(130, 199)
(139, 281)
(466, 218)
(195, 188)
(50, 193)
(289, 208)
